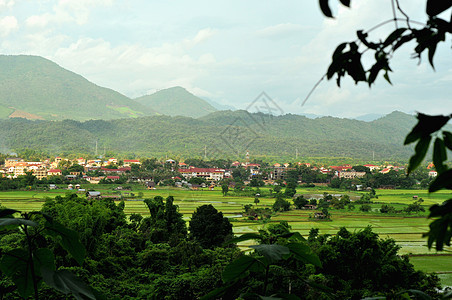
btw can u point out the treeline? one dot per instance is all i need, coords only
(219, 135)
(160, 257)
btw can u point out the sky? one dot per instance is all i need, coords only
(227, 51)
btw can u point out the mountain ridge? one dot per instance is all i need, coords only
(177, 101)
(40, 87)
(224, 134)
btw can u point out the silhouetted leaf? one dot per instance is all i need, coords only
(237, 269)
(393, 36)
(324, 6)
(386, 76)
(272, 253)
(442, 181)
(435, 7)
(66, 282)
(426, 125)
(420, 151)
(439, 155)
(439, 233)
(69, 240)
(440, 210)
(431, 54)
(447, 139)
(303, 253)
(7, 212)
(404, 39)
(363, 38)
(345, 2)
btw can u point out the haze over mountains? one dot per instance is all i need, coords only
(170, 121)
(177, 101)
(33, 87)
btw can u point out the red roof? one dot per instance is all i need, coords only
(132, 160)
(124, 169)
(112, 177)
(182, 164)
(54, 171)
(370, 165)
(201, 170)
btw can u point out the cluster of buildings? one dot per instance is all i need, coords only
(15, 166)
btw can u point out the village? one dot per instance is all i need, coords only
(96, 171)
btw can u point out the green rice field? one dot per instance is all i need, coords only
(405, 230)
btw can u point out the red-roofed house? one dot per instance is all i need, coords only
(54, 172)
(385, 170)
(129, 162)
(115, 171)
(183, 165)
(372, 167)
(207, 173)
(113, 178)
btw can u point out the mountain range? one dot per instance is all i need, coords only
(221, 134)
(33, 87)
(48, 108)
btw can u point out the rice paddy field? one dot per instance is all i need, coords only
(406, 230)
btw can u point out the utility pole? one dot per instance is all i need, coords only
(96, 149)
(296, 153)
(205, 152)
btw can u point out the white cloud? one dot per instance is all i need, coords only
(281, 30)
(7, 25)
(201, 36)
(129, 68)
(67, 11)
(6, 4)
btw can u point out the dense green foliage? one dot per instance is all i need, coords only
(209, 228)
(186, 137)
(177, 101)
(38, 86)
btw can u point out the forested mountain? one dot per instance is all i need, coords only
(220, 134)
(177, 101)
(33, 87)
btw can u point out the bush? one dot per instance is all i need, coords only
(385, 209)
(365, 208)
(281, 205)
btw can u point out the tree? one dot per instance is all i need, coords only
(300, 202)
(224, 189)
(281, 204)
(256, 200)
(359, 265)
(346, 60)
(208, 227)
(365, 208)
(165, 222)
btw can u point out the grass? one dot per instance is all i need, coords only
(406, 230)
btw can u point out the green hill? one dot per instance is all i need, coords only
(34, 87)
(224, 134)
(177, 101)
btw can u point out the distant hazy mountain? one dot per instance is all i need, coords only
(311, 116)
(369, 117)
(225, 134)
(36, 88)
(177, 101)
(219, 106)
